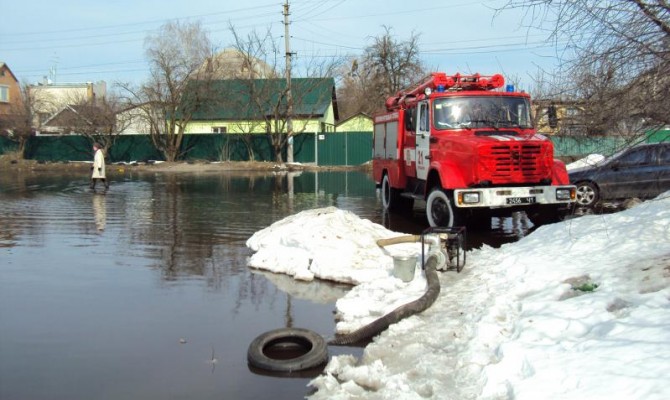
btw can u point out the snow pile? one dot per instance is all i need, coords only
(576, 310)
(326, 243)
(337, 245)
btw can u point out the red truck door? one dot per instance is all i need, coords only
(422, 140)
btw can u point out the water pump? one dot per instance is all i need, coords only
(448, 244)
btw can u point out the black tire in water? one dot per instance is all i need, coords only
(310, 346)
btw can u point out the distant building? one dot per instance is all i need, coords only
(68, 119)
(360, 122)
(557, 117)
(133, 121)
(89, 118)
(248, 106)
(234, 64)
(10, 90)
(51, 98)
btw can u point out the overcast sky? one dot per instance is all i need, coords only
(93, 40)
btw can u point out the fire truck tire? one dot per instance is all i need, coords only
(440, 209)
(391, 198)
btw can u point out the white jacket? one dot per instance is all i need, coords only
(98, 165)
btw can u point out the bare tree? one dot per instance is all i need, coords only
(101, 121)
(266, 99)
(357, 91)
(169, 98)
(18, 124)
(387, 66)
(618, 57)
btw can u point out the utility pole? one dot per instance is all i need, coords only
(289, 96)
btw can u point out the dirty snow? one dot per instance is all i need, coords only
(519, 322)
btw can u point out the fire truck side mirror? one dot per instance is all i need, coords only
(410, 119)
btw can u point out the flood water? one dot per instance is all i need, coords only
(144, 293)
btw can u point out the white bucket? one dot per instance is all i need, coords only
(404, 266)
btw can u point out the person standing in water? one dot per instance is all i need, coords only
(98, 167)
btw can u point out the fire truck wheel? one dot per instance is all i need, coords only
(391, 198)
(440, 210)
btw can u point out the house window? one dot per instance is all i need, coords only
(572, 111)
(4, 94)
(219, 129)
(43, 117)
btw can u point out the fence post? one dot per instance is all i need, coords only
(316, 148)
(346, 149)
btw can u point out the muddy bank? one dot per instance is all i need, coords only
(9, 164)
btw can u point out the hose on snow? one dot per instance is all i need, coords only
(414, 307)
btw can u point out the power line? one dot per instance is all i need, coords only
(328, 44)
(141, 22)
(404, 12)
(307, 13)
(111, 35)
(88, 66)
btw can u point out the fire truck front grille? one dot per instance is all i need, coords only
(515, 163)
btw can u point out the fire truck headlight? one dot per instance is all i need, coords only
(469, 198)
(563, 194)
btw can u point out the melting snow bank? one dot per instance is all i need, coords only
(577, 309)
(326, 243)
(337, 245)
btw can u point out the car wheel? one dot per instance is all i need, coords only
(440, 210)
(391, 198)
(587, 194)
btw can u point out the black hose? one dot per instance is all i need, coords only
(379, 325)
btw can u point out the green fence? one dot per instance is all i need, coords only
(656, 136)
(351, 148)
(7, 145)
(140, 148)
(333, 148)
(573, 146)
(569, 146)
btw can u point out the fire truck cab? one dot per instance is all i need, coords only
(468, 149)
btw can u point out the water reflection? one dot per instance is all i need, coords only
(316, 291)
(99, 210)
(170, 263)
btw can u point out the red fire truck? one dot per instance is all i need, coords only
(468, 148)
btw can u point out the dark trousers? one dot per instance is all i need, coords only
(95, 180)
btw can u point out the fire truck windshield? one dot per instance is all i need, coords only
(481, 112)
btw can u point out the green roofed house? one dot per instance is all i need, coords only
(259, 105)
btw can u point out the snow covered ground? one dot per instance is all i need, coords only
(576, 310)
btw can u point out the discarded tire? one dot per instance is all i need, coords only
(307, 350)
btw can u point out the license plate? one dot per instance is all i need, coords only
(520, 200)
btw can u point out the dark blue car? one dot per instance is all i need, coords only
(641, 171)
